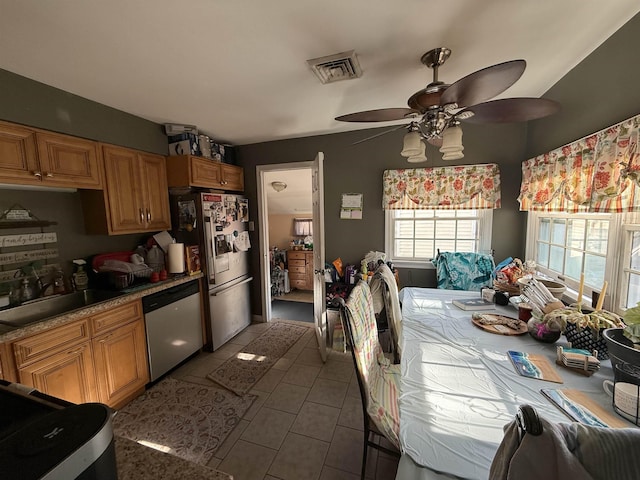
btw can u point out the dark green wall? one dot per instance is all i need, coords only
(599, 92)
(35, 104)
(358, 168)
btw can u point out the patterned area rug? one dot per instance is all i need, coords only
(245, 368)
(185, 419)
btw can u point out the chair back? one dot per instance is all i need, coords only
(378, 390)
(384, 286)
(464, 270)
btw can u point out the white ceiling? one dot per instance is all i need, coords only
(237, 68)
(296, 198)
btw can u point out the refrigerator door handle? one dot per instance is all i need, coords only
(208, 237)
(246, 280)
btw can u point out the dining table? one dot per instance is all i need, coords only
(459, 388)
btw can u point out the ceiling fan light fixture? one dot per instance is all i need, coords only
(452, 143)
(412, 144)
(421, 157)
(278, 186)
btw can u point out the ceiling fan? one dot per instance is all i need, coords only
(437, 110)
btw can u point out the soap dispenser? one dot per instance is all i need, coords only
(80, 278)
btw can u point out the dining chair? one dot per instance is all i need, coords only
(464, 270)
(378, 379)
(384, 291)
(569, 450)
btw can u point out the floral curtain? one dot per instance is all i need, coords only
(442, 188)
(599, 173)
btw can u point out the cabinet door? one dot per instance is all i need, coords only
(153, 179)
(205, 173)
(121, 363)
(18, 162)
(124, 194)
(69, 375)
(68, 161)
(232, 177)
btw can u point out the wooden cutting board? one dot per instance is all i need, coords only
(502, 329)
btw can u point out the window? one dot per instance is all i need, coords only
(303, 226)
(605, 246)
(413, 237)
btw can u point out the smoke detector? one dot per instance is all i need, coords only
(333, 68)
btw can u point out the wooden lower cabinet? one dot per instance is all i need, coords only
(99, 358)
(68, 375)
(121, 363)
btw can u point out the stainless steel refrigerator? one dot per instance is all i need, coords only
(217, 223)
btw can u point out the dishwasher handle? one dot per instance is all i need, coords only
(165, 297)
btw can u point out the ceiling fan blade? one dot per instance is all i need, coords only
(380, 115)
(511, 110)
(379, 134)
(484, 84)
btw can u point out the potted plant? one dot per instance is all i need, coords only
(583, 328)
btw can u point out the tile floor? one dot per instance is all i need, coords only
(306, 422)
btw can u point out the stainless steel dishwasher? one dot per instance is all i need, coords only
(173, 320)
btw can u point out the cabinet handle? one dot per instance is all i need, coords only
(77, 351)
(141, 216)
(148, 215)
(37, 174)
(49, 174)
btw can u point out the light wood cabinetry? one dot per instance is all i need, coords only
(58, 362)
(35, 157)
(191, 171)
(120, 354)
(136, 197)
(99, 358)
(300, 266)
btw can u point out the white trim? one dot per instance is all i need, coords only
(264, 227)
(485, 225)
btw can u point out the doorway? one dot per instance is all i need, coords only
(286, 223)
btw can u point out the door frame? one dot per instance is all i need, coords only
(263, 221)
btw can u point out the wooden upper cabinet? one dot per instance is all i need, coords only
(190, 171)
(124, 192)
(153, 177)
(136, 195)
(34, 157)
(232, 177)
(69, 161)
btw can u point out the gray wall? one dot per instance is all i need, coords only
(599, 92)
(359, 169)
(35, 104)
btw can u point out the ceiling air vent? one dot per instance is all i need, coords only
(341, 66)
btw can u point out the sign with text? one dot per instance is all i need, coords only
(27, 239)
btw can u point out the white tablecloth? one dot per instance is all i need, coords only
(458, 388)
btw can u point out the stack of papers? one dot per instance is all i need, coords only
(578, 358)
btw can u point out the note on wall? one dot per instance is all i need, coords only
(351, 207)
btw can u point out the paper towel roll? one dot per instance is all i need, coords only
(176, 257)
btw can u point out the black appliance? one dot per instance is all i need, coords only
(42, 437)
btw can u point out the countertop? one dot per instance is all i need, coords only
(8, 333)
(137, 462)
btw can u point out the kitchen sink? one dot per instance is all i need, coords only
(48, 307)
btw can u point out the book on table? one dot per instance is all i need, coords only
(474, 304)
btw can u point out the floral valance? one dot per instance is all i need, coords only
(442, 188)
(599, 173)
